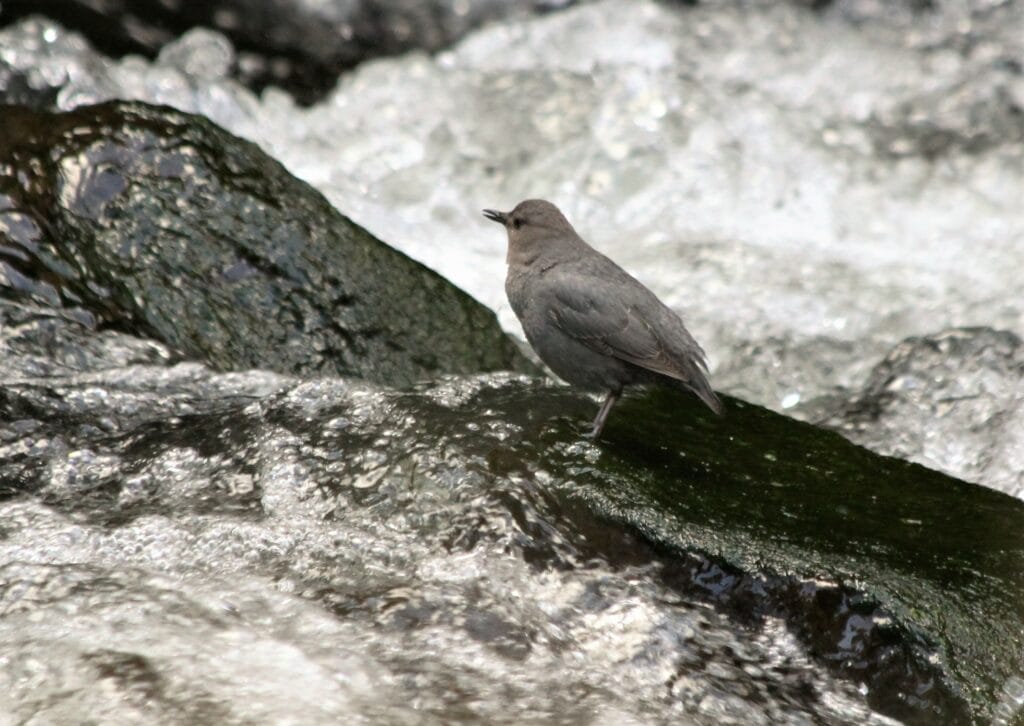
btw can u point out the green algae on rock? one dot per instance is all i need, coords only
(901, 578)
(157, 222)
(923, 573)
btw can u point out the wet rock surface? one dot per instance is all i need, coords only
(953, 397)
(300, 46)
(445, 552)
(151, 221)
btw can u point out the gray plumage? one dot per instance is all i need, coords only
(588, 319)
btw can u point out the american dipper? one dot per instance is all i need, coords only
(588, 319)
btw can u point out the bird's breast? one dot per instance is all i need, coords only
(518, 290)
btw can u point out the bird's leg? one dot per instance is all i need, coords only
(602, 415)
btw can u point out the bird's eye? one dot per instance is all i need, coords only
(516, 223)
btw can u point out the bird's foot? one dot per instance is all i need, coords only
(585, 430)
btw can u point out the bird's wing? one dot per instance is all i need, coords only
(621, 326)
(630, 324)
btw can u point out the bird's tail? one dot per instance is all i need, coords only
(699, 385)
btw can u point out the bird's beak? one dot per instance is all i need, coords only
(499, 217)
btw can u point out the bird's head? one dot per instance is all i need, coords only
(531, 226)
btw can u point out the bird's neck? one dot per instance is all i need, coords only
(542, 253)
(523, 255)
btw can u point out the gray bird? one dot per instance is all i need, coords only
(588, 319)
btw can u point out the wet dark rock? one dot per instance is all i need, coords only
(157, 223)
(953, 401)
(299, 46)
(441, 519)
